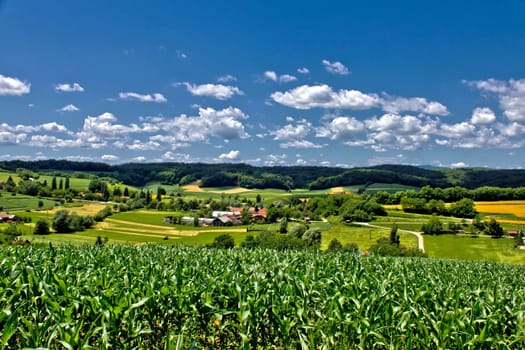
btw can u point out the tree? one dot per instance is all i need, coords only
(126, 192)
(465, 208)
(518, 240)
(41, 227)
(60, 221)
(494, 229)
(394, 237)
(283, 227)
(312, 237)
(66, 185)
(10, 185)
(433, 226)
(40, 204)
(61, 184)
(334, 246)
(224, 241)
(298, 230)
(54, 183)
(245, 216)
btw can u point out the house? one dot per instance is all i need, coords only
(257, 214)
(5, 217)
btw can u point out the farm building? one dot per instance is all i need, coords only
(5, 217)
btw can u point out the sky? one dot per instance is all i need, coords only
(324, 83)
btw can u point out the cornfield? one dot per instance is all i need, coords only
(160, 297)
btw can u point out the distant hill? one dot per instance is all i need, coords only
(313, 177)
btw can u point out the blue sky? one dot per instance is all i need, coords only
(341, 83)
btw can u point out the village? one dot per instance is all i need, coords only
(231, 217)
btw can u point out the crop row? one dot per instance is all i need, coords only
(177, 297)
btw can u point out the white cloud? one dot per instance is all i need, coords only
(292, 132)
(156, 97)
(300, 144)
(510, 94)
(225, 123)
(303, 70)
(414, 104)
(482, 116)
(139, 159)
(335, 67)
(459, 165)
(341, 128)
(110, 157)
(75, 87)
(11, 138)
(273, 76)
(232, 155)
(13, 86)
(178, 157)
(226, 78)
(307, 97)
(286, 78)
(218, 91)
(69, 108)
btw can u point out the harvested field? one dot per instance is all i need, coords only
(516, 208)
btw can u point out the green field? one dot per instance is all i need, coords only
(160, 297)
(21, 202)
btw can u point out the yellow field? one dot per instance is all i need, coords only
(86, 209)
(502, 207)
(196, 188)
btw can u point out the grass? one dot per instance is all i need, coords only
(469, 248)
(20, 202)
(364, 237)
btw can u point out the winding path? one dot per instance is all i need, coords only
(420, 242)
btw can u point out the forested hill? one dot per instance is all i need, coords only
(217, 175)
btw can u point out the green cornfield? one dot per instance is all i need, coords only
(163, 297)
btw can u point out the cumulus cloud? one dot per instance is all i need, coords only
(303, 70)
(459, 165)
(226, 124)
(293, 135)
(156, 97)
(414, 104)
(232, 155)
(226, 78)
(69, 108)
(322, 96)
(109, 157)
(284, 78)
(218, 91)
(13, 86)
(335, 67)
(341, 128)
(482, 116)
(65, 87)
(300, 144)
(510, 95)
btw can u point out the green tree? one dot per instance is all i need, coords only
(298, 230)
(518, 240)
(246, 218)
(283, 227)
(41, 227)
(60, 221)
(40, 204)
(394, 237)
(61, 184)
(494, 229)
(465, 208)
(433, 226)
(54, 183)
(66, 185)
(334, 246)
(224, 241)
(10, 185)
(312, 237)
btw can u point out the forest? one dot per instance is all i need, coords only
(281, 177)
